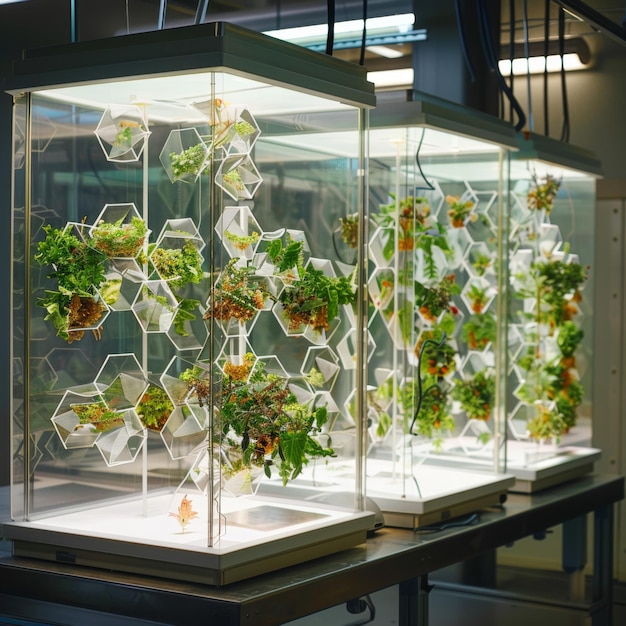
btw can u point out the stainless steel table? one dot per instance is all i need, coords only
(39, 590)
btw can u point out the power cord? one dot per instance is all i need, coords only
(358, 606)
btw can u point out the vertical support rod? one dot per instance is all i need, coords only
(28, 165)
(362, 310)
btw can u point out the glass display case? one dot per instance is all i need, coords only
(186, 337)
(428, 159)
(550, 312)
(438, 182)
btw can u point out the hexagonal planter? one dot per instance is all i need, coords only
(122, 132)
(72, 420)
(186, 155)
(121, 381)
(123, 444)
(187, 381)
(239, 231)
(238, 177)
(155, 306)
(184, 430)
(119, 231)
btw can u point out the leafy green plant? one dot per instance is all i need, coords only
(192, 161)
(236, 295)
(460, 210)
(349, 230)
(154, 408)
(258, 411)
(479, 331)
(79, 270)
(241, 242)
(478, 297)
(98, 415)
(542, 193)
(430, 415)
(433, 301)
(120, 239)
(476, 394)
(313, 298)
(179, 266)
(415, 231)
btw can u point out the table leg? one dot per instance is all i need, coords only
(602, 611)
(574, 555)
(413, 602)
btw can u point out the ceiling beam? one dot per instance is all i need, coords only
(596, 20)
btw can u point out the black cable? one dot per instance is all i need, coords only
(330, 37)
(162, 12)
(417, 161)
(420, 393)
(511, 51)
(73, 21)
(458, 522)
(492, 59)
(364, 35)
(531, 117)
(463, 39)
(546, 51)
(565, 128)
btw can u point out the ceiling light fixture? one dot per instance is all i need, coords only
(577, 56)
(305, 35)
(385, 51)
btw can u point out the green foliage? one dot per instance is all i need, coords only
(476, 394)
(120, 239)
(79, 270)
(179, 266)
(313, 298)
(272, 426)
(479, 330)
(191, 161)
(98, 415)
(154, 407)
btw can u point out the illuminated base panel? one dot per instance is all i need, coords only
(259, 535)
(433, 494)
(427, 495)
(535, 466)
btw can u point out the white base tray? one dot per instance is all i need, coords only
(259, 535)
(534, 466)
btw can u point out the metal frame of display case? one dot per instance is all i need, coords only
(79, 531)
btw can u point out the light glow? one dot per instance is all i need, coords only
(536, 65)
(392, 78)
(385, 51)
